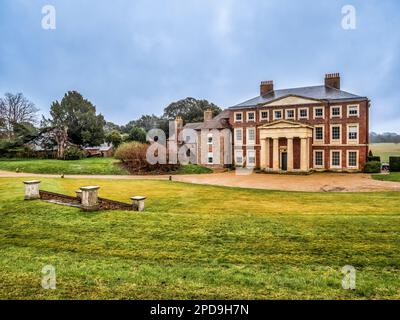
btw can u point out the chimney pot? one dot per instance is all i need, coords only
(266, 86)
(332, 80)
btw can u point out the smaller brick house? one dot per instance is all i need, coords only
(314, 128)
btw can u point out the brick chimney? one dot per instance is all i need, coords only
(332, 80)
(208, 115)
(266, 86)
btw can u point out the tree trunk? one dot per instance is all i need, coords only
(61, 136)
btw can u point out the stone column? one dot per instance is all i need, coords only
(290, 154)
(304, 154)
(263, 154)
(32, 190)
(267, 153)
(138, 203)
(275, 159)
(89, 198)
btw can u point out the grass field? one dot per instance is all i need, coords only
(201, 242)
(85, 166)
(89, 166)
(393, 176)
(385, 150)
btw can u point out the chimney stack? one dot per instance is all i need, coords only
(208, 115)
(332, 80)
(266, 86)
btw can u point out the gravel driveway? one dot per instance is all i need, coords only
(317, 182)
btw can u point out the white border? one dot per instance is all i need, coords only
(358, 159)
(323, 159)
(234, 117)
(358, 111)
(336, 117)
(330, 159)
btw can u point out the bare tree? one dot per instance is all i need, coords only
(15, 108)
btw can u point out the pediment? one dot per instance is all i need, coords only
(291, 100)
(284, 124)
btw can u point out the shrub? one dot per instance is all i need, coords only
(74, 153)
(133, 156)
(394, 163)
(374, 158)
(372, 167)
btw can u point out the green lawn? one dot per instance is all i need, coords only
(89, 166)
(85, 166)
(385, 150)
(393, 176)
(199, 242)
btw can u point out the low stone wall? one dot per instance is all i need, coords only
(103, 204)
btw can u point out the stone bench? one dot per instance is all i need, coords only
(138, 203)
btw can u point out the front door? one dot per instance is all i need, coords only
(284, 161)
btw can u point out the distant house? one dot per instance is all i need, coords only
(105, 150)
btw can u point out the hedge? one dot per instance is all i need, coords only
(372, 167)
(374, 158)
(394, 163)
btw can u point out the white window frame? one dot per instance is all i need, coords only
(248, 141)
(358, 111)
(353, 141)
(294, 114)
(281, 110)
(210, 155)
(323, 112)
(247, 116)
(240, 152)
(308, 114)
(323, 134)
(322, 166)
(234, 117)
(261, 117)
(248, 152)
(334, 116)
(238, 142)
(357, 166)
(331, 158)
(335, 141)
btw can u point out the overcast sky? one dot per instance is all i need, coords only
(134, 57)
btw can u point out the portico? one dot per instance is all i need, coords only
(285, 146)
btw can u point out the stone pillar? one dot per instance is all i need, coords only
(304, 154)
(138, 203)
(275, 157)
(79, 195)
(267, 152)
(263, 154)
(290, 154)
(32, 190)
(89, 198)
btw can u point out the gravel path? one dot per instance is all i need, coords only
(317, 182)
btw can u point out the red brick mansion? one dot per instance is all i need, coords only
(305, 129)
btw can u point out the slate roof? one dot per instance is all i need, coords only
(218, 122)
(314, 92)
